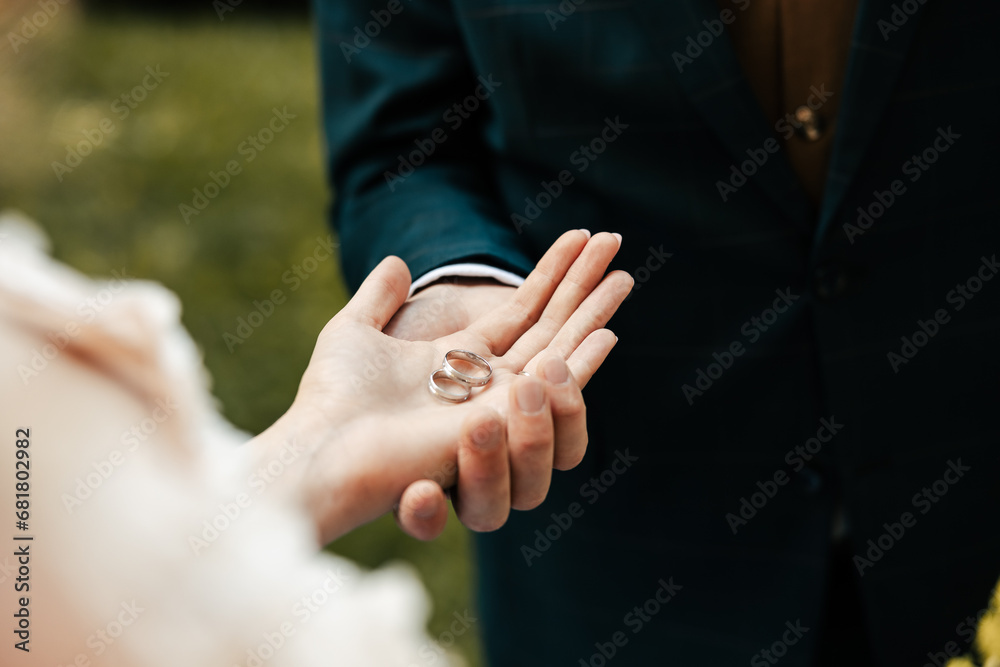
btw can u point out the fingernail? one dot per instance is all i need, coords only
(587, 232)
(619, 237)
(530, 397)
(556, 371)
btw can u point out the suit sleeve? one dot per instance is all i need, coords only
(385, 100)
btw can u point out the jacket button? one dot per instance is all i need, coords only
(809, 124)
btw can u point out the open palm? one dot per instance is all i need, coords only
(388, 435)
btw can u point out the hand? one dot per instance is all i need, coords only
(447, 306)
(371, 429)
(437, 310)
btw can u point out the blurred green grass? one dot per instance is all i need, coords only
(120, 207)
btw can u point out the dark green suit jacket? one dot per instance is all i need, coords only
(776, 362)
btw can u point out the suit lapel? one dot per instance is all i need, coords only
(716, 86)
(876, 58)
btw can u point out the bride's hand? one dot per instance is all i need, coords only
(375, 437)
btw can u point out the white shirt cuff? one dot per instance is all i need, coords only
(468, 270)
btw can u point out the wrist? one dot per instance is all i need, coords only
(475, 295)
(287, 454)
(455, 284)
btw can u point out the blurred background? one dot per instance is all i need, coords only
(113, 118)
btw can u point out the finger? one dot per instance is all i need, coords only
(380, 295)
(422, 511)
(569, 414)
(529, 441)
(592, 315)
(499, 329)
(482, 501)
(589, 356)
(581, 279)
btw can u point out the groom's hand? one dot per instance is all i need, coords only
(440, 309)
(447, 306)
(482, 502)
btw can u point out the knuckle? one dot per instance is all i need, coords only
(577, 277)
(484, 433)
(570, 405)
(522, 313)
(548, 327)
(543, 273)
(532, 448)
(480, 477)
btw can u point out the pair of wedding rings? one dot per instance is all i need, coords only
(463, 381)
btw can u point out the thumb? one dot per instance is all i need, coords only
(422, 511)
(380, 295)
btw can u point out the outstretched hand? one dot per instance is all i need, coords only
(377, 438)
